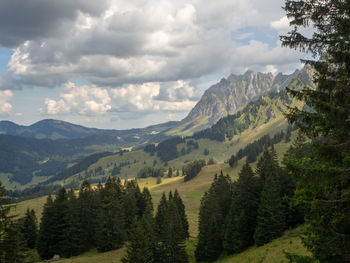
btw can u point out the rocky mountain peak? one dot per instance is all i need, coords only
(234, 92)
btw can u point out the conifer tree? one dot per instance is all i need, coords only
(46, 240)
(323, 178)
(72, 233)
(12, 246)
(87, 218)
(160, 215)
(215, 206)
(29, 229)
(139, 248)
(172, 236)
(271, 218)
(147, 207)
(110, 232)
(181, 209)
(209, 245)
(241, 221)
(130, 203)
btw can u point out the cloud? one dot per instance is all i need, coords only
(281, 25)
(5, 105)
(81, 100)
(113, 43)
(150, 97)
(36, 19)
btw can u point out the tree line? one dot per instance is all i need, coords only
(104, 218)
(252, 210)
(254, 149)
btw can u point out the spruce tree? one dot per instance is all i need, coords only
(72, 233)
(110, 233)
(138, 247)
(172, 236)
(130, 203)
(160, 215)
(29, 229)
(12, 246)
(46, 240)
(88, 206)
(323, 177)
(241, 221)
(209, 245)
(181, 208)
(271, 218)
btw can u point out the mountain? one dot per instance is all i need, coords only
(57, 129)
(232, 94)
(24, 158)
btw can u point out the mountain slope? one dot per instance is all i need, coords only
(232, 94)
(56, 129)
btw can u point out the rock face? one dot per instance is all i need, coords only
(233, 93)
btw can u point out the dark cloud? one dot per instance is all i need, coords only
(22, 20)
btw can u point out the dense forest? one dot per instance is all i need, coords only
(103, 218)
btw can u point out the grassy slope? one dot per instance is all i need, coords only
(191, 191)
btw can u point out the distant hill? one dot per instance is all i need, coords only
(57, 129)
(24, 157)
(232, 94)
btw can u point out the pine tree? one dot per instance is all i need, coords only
(110, 233)
(170, 172)
(172, 236)
(46, 239)
(209, 245)
(12, 247)
(160, 215)
(10, 238)
(271, 219)
(130, 204)
(72, 233)
(139, 248)
(241, 221)
(323, 177)
(29, 229)
(87, 218)
(182, 214)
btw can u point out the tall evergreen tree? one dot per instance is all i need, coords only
(110, 232)
(88, 206)
(172, 236)
(181, 208)
(29, 229)
(323, 178)
(10, 238)
(209, 245)
(72, 233)
(241, 221)
(46, 240)
(139, 248)
(215, 206)
(12, 245)
(160, 215)
(271, 218)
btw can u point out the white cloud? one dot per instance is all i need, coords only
(154, 96)
(281, 25)
(141, 41)
(82, 100)
(5, 105)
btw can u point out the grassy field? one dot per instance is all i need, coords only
(191, 192)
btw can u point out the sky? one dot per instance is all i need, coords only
(125, 64)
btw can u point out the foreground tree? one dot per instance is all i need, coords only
(322, 177)
(241, 220)
(29, 229)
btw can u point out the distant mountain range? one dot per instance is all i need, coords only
(56, 129)
(232, 94)
(47, 147)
